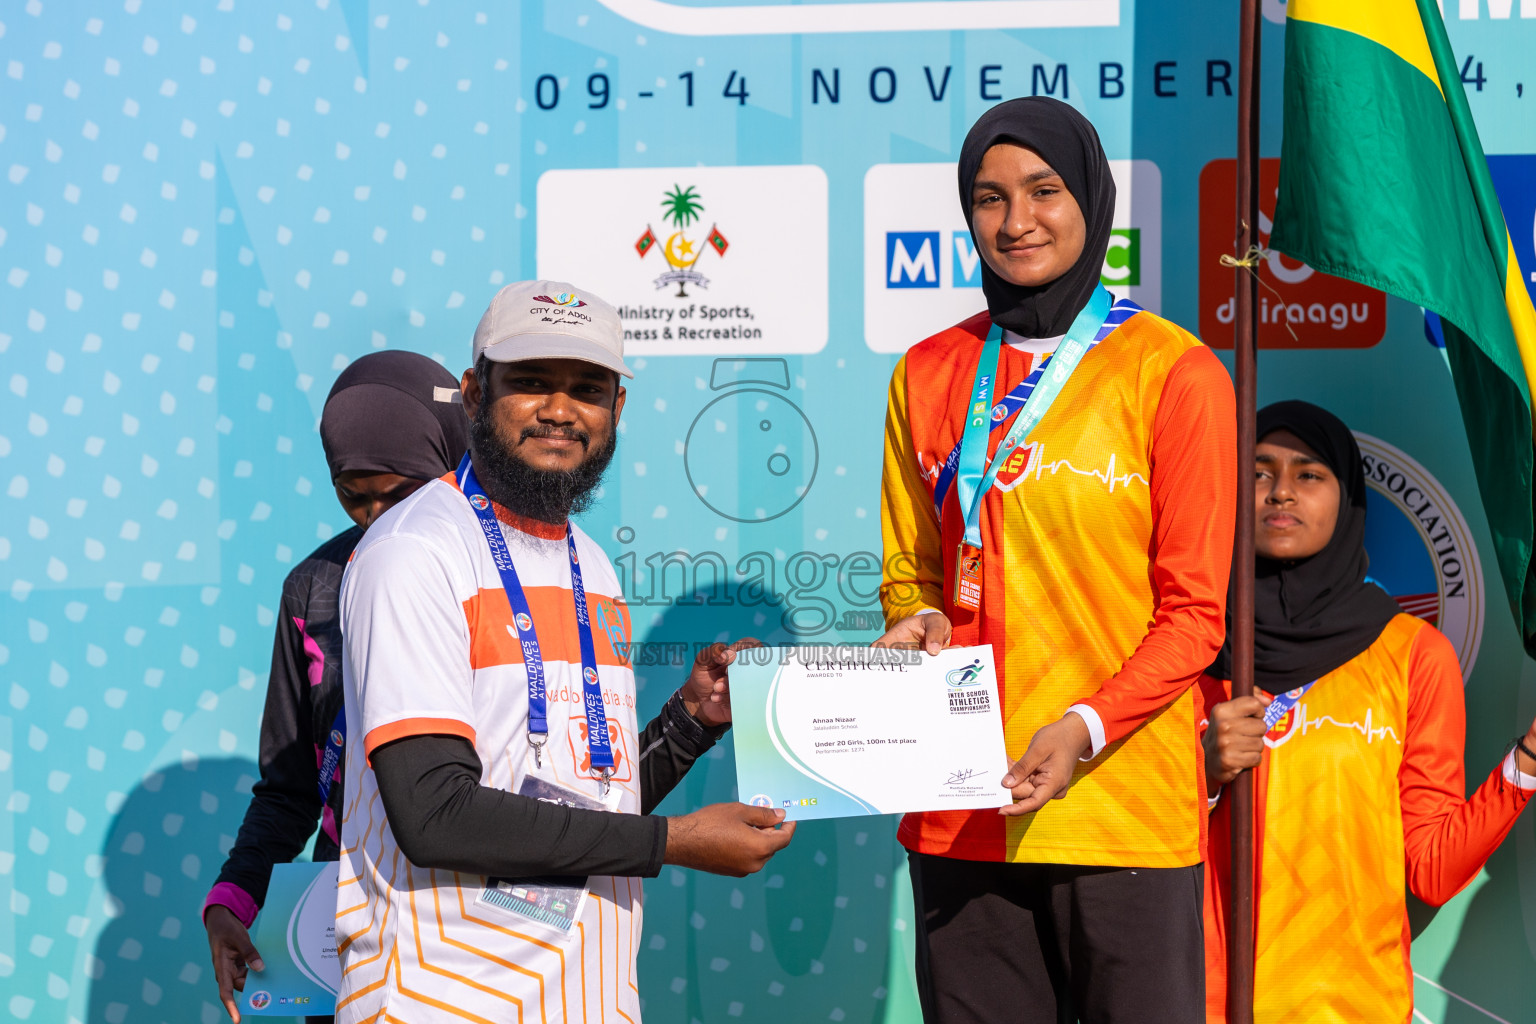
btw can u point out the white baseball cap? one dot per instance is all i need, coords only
(550, 320)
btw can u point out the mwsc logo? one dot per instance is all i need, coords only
(913, 258)
(922, 273)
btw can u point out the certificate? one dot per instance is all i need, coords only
(295, 934)
(834, 732)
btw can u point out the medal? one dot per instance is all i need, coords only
(967, 577)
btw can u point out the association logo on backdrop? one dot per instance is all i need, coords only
(1299, 307)
(922, 273)
(681, 288)
(1420, 547)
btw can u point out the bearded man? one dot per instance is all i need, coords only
(484, 872)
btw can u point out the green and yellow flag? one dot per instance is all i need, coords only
(1383, 181)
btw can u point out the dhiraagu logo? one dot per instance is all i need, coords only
(965, 675)
(922, 271)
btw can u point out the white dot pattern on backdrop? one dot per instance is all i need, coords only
(208, 214)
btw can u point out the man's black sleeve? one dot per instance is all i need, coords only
(442, 817)
(668, 748)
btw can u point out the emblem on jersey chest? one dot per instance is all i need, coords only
(1282, 730)
(1016, 465)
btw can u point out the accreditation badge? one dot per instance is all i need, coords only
(554, 901)
(968, 577)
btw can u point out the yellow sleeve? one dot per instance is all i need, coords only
(913, 574)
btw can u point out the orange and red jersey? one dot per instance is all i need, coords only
(1107, 541)
(1359, 796)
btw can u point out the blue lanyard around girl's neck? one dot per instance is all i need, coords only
(974, 477)
(599, 743)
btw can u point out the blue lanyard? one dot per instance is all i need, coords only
(1282, 703)
(1016, 399)
(599, 744)
(334, 744)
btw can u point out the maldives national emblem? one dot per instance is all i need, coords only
(682, 206)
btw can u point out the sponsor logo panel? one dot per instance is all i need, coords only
(922, 272)
(697, 260)
(1319, 310)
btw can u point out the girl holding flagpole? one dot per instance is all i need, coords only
(1356, 731)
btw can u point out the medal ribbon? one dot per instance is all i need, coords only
(335, 742)
(1282, 703)
(599, 743)
(973, 477)
(1122, 311)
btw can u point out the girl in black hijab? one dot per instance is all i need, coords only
(1095, 564)
(1357, 733)
(392, 422)
(1068, 143)
(1313, 614)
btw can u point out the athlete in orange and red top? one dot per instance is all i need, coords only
(1359, 783)
(1106, 546)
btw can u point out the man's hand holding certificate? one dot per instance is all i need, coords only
(832, 732)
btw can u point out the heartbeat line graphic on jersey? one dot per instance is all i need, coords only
(1029, 462)
(1370, 732)
(929, 473)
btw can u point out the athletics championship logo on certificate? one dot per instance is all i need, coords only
(1421, 549)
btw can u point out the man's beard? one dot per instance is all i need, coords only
(548, 495)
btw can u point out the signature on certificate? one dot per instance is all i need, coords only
(961, 776)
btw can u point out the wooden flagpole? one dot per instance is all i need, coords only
(1245, 324)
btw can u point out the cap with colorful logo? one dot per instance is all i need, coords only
(550, 320)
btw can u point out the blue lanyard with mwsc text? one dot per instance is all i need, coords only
(1119, 313)
(973, 477)
(599, 744)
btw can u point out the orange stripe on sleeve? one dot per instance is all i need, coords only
(415, 727)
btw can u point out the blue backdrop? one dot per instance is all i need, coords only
(210, 208)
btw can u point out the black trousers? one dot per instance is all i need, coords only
(1058, 943)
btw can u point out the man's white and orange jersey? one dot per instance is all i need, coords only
(430, 648)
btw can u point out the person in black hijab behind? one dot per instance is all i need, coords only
(1357, 731)
(1093, 557)
(392, 421)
